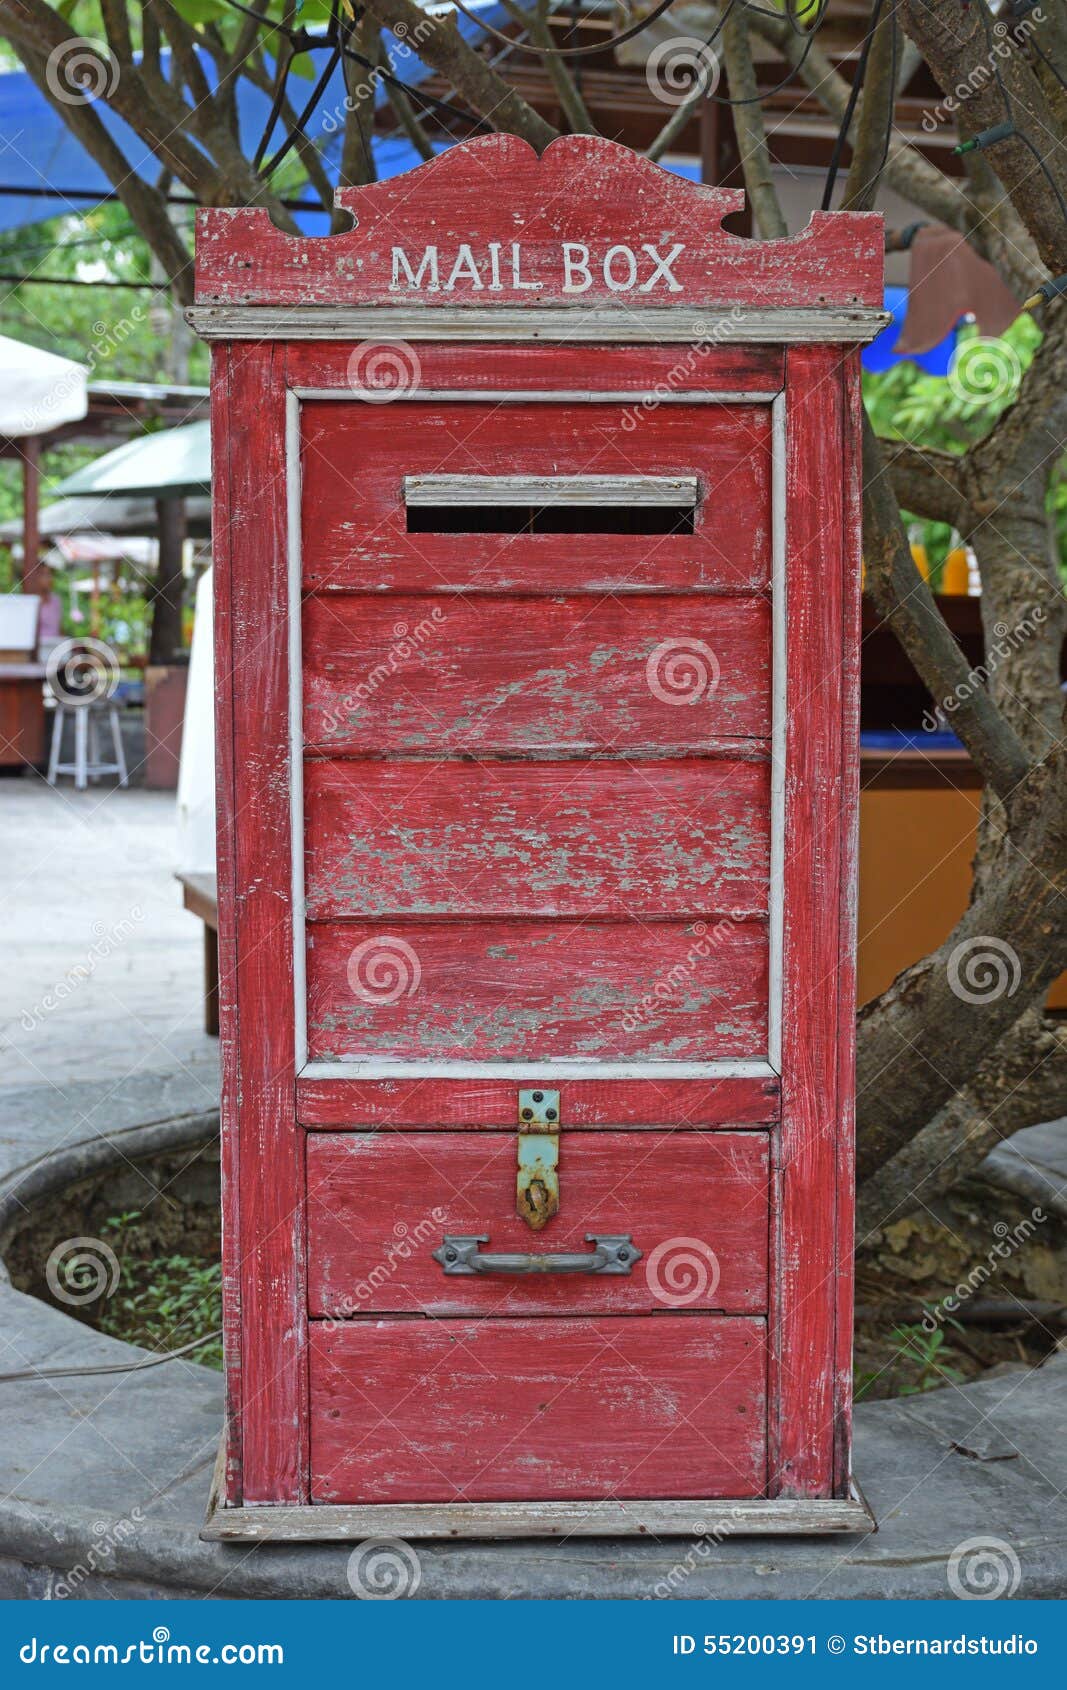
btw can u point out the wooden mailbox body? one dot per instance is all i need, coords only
(536, 539)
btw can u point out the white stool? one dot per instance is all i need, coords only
(87, 764)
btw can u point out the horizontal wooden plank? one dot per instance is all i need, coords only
(585, 1105)
(469, 1410)
(489, 490)
(636, 1517)
(537, 990)
(355, 457)
(643, 376)
(601, 838)
(379, 1204)
(390, 673)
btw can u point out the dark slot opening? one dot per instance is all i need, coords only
(550, 519)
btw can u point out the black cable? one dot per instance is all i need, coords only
(764, 93)
(282, 75)
(298, 128)
(102, 196)
(850, 109)
(637, 29)
(76, 282)
(116, 1367)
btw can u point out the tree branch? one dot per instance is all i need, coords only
(905, 601)
(873, 125)
(1007, 245)
(926, 1038)
(959, 45)
(1021, 1082)
(439, 44)
(928, 483)
(357, 158)
(748, 125)
(147, 207)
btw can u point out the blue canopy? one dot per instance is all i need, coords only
(41, 153)
(879, 355)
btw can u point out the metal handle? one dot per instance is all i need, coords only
(610, 1255)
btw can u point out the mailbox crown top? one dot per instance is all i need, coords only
(587, 225)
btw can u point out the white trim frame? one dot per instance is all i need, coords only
(562, 1068)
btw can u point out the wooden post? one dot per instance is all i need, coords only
(165, 597)
(31, 505)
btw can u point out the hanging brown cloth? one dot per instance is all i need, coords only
(948, 280)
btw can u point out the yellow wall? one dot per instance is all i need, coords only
(916, 847)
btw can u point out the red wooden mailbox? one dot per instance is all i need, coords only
(536, 532)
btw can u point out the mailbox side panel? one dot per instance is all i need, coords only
(263, 1148)
(811, 1221)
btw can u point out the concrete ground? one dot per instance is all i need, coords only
(103, 975)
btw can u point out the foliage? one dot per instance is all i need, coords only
(941, 414)
(918, 1361)
(165, 1301)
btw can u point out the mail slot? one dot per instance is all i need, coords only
(537, 629)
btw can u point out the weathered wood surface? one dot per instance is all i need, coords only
(698, 1518)
(389, 673)
(252, 659)
(642, 379)
(533, 990)
(586, 223)
(585, 1105)
(819, 809)
(469, 1410)
(378, 1205)
(355, 456)
(604, 839)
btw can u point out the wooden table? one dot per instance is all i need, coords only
(200, 896)
(22, 714)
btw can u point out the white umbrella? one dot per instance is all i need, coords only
(38, 391)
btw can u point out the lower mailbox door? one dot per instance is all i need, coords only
(579, 1384)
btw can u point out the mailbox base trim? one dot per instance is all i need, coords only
(327, 1523)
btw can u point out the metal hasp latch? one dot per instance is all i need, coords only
(537, 1182)
(616, 1254)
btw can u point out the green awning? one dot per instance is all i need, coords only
(174, 463)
